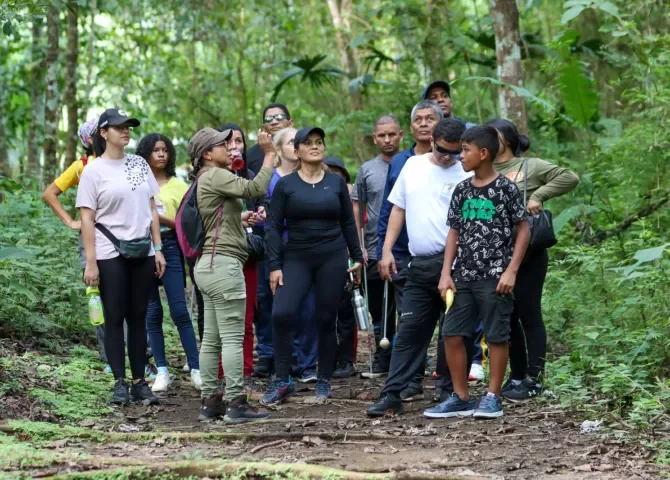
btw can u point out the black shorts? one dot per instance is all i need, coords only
(477, 300)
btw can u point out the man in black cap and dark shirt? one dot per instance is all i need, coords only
(440, 92)
(275, 117)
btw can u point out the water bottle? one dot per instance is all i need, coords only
(359, 310)
(95, 313)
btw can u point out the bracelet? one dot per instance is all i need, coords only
(158, 248)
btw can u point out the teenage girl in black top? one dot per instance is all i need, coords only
(314, 207)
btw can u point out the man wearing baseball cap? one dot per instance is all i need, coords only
(440, 92)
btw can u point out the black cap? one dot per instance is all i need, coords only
(302, 134)
(337, 162)
(437, 83)
(113, 117)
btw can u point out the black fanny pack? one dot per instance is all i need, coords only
(130, 249)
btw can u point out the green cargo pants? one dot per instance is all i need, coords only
(224, 293)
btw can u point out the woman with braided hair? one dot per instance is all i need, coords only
(218, 272)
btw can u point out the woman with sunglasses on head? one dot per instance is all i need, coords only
(528, 337)
(219, 271)
(314, 206)
(160, 154)
(122, 242)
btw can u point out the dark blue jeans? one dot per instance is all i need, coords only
(174, 285)
(305, 346)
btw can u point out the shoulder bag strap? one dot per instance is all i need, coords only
(108, 234)
(525, 180)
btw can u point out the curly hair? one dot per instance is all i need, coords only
(146, 147)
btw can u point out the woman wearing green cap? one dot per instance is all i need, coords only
(218, 272)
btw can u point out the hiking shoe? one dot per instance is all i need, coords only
(529, 387)
(452, 407)
(162, 381)
(344, 370)
(412, 393)
(509, 385)
(308, 376)
(323, 390)
(277, 392)
(108, 368)
(150, 371)
(379, 369)
(264, 368)
(387, 404)
(476, 372)
(212, 408)
(141, 393)
(196, 379)
(120, 394)
(239, 411)
(490, 406)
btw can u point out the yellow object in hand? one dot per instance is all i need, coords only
(449, 299)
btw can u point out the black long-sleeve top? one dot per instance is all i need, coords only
(318, 218)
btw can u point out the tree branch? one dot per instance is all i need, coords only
(603, 235)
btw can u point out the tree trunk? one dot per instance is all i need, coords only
(70, 95)
(90, 51)
(506, 20)
(51, 104)
(339, 11)
(35, 129)
(4, 148)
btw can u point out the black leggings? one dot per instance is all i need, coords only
(200, 302)
(528, 332)
(124, 290)
(327, 273)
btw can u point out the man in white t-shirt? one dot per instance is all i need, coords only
(421, 198)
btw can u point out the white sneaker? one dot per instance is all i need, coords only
(195, 378)
(161, 383)
(186, 368)
(476, 372)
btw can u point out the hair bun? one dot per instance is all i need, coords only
(524, 144)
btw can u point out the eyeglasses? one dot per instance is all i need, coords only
(280, 117)
(444, 152)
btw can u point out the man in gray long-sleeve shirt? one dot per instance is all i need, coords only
(369, 185)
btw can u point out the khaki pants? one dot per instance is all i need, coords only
(224, 296)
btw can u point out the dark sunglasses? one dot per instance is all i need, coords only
(280, 117)
(445, 152)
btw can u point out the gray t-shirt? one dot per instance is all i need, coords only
(120, 192)
(372, 176)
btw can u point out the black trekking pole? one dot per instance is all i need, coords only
(362, 204)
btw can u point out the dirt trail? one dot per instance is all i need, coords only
(535, 439)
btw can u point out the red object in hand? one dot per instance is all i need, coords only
(237, 165)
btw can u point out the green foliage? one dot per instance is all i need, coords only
(40, 280)
(15, 454)
(83, 389)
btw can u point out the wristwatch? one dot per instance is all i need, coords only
(158, 248)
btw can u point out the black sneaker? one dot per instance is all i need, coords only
(508, 385)
(140, 392)
(296, 372)
(120, 394)
(412, 393)
(387, 404)
(239, 411)
(212, 408)
(379, 369)
(528, 388)
(264, 368)
(344, 370)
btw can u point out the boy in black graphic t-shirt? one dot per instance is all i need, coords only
(483, 214)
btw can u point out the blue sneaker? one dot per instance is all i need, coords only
(277, 392)
(452, 407)
(323, 390)
(490, 406)
(308, 376)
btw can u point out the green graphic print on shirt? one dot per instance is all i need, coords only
(484, 218)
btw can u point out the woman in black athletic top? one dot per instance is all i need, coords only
(314, 207)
